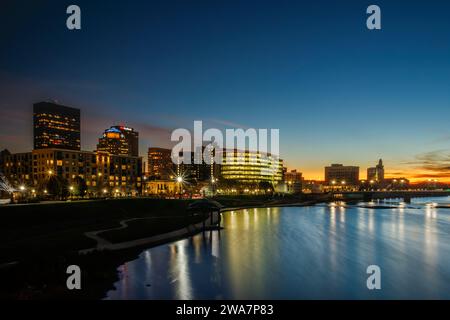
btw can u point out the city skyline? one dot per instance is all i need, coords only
(349, 96)
(122, 128)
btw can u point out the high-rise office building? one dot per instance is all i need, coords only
(132, 138)
(338, 174)
(119, 140)
(160, 165)
(114, 142)
(376, 173)
(56, 126)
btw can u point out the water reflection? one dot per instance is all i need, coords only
(302, 253)
(179, 272)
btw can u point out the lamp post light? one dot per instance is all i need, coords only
(22, 190)
(213, 188)
(179, 181)
(333, 183)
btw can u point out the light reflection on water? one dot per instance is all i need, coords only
(318, 252)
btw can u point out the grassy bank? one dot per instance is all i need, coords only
(45, 229)
(45, 238)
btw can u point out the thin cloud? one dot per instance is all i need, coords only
(430, 165)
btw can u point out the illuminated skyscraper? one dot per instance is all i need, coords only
(56, 126)
(120, 140)
(132, 138)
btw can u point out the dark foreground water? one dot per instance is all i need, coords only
(318, 252)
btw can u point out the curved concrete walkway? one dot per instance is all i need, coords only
(103, 244)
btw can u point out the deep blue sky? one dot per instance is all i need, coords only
(337, 91)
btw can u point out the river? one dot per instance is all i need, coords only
(315, 252)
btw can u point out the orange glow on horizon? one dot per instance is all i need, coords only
(414, 176)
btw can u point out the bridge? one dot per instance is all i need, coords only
(406, 195)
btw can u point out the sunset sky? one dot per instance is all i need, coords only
(338, 92)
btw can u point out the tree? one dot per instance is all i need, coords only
(265, 185)
(80, 187)
(58, 187)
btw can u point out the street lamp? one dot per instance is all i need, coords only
(179, 180)
(22, 188)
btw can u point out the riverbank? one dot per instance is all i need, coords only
(39, 241)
